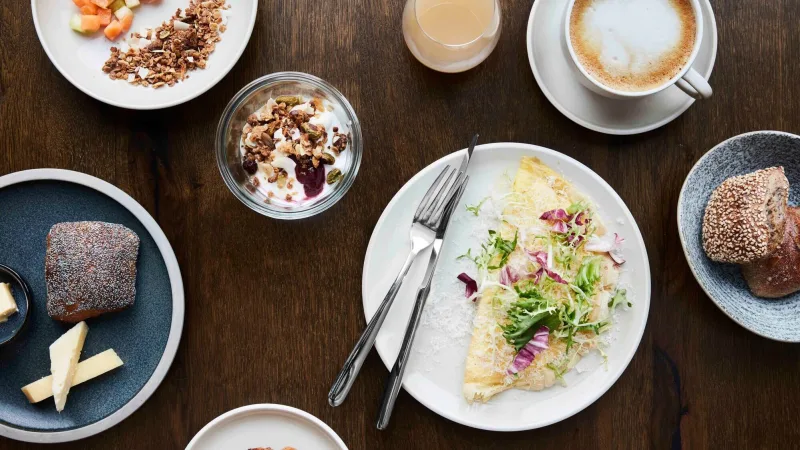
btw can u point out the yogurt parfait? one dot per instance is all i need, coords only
(294, 149)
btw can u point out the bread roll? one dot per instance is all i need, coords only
(779, 274)
(745, 217)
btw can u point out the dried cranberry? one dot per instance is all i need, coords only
(250, 166)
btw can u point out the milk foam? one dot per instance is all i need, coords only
(632, 39)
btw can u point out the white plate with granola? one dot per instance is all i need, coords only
(543, 240)
(211, 33)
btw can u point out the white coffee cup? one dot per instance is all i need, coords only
(687, 79)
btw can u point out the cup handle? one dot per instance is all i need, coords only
(694, 85)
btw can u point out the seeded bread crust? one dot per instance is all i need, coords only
(778, 275)
(745, 218)
(90, 269)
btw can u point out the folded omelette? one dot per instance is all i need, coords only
(547, 282)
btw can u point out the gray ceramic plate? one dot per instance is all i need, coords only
(145, 336)
(775, 319)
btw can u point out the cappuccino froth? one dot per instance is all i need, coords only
(633, 45)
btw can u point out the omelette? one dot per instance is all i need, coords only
(546, 286)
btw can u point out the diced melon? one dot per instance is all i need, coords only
(79, 3)
(126, 22)
(113, 30)
(90, 23)
(75, 23)
(122, 12)
(105, 16)
(89, 9)
(102, 3)
(132, 3)
(117, 4)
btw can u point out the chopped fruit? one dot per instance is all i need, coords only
(126, 22)
(79, 3)
(104, 15)
(75, 23)
(89, 9)
(90, 23)
(113, 30)
(117, 4)
(122, 12)
(102, 3)
(132, 3)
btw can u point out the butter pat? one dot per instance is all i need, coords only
(64, 355)
(87, 370)
(7, 304)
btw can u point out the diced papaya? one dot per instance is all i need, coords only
(80, 3)
(113, 30)
(104, 15)
(102, 3)
(89, 9)
(126, 22)
(90, 23)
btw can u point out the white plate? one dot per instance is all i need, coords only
(80, 58)
(559, 83)
(267, 425)
(435, 371)
(178, 306)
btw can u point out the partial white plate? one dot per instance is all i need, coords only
(80, 58)
(266, 425)
(549, 60)
(435, 372)
(178, 305)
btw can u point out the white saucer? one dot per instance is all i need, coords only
(435, 372)
(560, 84)
(266, 425)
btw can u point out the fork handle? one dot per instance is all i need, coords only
(347, 376)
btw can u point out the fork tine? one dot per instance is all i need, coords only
(441, 191)
(424, 202)
(457, 186)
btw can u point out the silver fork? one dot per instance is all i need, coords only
(427, 220)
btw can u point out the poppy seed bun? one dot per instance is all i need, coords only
(745, 217)
(779, 274)
(90, 269)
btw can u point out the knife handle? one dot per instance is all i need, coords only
(395, 380)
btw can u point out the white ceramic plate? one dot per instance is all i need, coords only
(267, 425)
(435, 371)
(548, 57)
(178, 306)
(80, 58)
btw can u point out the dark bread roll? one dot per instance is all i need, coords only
(779, 274)
(90, 269)
(745, 217)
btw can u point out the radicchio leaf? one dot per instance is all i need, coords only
(608, 244)
(472, 285)
(556, 215)
(508, 276)
(542, 259)
(536, 345)
(560, 227)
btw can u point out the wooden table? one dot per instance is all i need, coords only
(254, 335)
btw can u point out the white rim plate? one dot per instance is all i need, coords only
(550, 63)
(266, 425)
(80, 58)
(176, 327)
(435, 371)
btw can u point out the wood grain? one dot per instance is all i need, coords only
(257, 333)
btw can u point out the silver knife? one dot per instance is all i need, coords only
(395, 380)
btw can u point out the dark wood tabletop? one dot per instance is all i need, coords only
(273, 308)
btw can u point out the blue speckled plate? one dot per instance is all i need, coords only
(775, 319)
(145, 336)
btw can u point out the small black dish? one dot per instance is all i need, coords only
(11, 328)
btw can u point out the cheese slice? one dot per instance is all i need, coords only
(88, 369)
(7, 304)
(64, 355)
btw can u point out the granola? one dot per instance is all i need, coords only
(164, 55)
(293, 146)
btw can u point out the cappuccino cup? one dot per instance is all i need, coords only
(635, 48)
